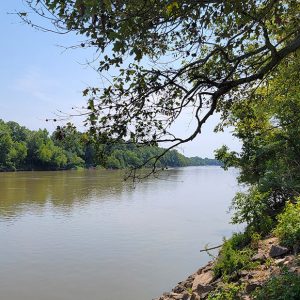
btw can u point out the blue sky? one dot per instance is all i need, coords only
(38, 78)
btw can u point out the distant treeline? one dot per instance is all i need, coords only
(67, 148)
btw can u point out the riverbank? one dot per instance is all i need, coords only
(67, 148)
(29, 169)
(271, 260)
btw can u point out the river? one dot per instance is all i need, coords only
(75, 235)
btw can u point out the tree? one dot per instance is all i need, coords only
(268, 124)
(42, 152)
(113, 163)
(16, 156)
(68, 138)
(172, 56)
(17, 132)
(72, 142)
(12, 148)
(6, 145)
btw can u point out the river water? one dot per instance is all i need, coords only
(75, 235)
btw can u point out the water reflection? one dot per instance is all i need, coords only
(36, 190)
(24, 191)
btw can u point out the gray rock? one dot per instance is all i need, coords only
(177, 296)
(206, 268)
(252, 286)
(203, 289)
(243, 273)
(185, 296)
(259, 257)
(279, 261)
(250, 275)
(179, 289)
(195, 297)
(203, 279)
(277, 250)
(295, 270)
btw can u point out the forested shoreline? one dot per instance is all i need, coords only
(67, 148)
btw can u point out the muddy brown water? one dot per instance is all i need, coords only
(75, 235)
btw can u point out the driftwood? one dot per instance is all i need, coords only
(212, 248)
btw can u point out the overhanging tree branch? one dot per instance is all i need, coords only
(207, 50)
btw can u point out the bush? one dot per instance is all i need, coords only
(288, 228)
(282, 287)
(231, 260)
(255, 238)
(113, 163)
(245, 239)
(229, 291)
(240, 240)
(252, 208)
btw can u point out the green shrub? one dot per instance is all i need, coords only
(113, 163)
(240, 240)
(231, 260)
(229, 291)
(282, 287)
(252, 208)
(248, 238)
(288, 228)
(255, 238)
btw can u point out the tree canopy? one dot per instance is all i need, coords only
(67, 148)
(170, 56)
(267, 121)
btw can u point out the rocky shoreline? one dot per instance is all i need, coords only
(270, 258)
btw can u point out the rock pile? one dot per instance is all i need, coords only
(271, 257)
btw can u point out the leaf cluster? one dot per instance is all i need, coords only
(172, 56)
(288, 227)
(283, 287)
(267, 123)
(234, 256)
(229, 291)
